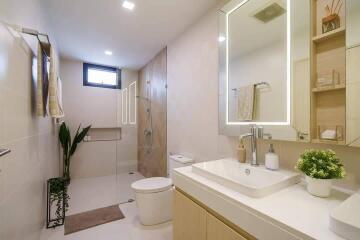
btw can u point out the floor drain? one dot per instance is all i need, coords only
(131, 173)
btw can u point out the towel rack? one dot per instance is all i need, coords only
(37, 34)
(3, 152)
(256, 85)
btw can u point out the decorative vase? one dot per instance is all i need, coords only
(318, 187)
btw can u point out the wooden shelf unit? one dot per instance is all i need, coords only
(328, 53)
(329, 35)
(329, 88)
(328, 141)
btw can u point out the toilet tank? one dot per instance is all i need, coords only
(177, 160)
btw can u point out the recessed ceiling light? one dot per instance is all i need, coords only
(221, 38)
(109, 53)
(128, 5)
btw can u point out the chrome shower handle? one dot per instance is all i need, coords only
(147, 132)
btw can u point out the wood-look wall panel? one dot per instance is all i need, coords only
(152, 159)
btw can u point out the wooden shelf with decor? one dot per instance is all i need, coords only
(328, 141)
(328, 68)
(329, 35)
(329, 88)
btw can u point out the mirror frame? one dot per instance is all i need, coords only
(279, 130)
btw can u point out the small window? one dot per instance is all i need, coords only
(101, 76)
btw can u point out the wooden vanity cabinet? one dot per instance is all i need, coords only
(217, 230)
(189, 219)
(194, 222)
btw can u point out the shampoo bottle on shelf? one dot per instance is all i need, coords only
(272, 159)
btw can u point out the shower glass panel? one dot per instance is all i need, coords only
(126, 147)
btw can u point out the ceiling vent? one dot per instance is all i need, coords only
(269, 12)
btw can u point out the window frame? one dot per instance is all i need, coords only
(86, 83)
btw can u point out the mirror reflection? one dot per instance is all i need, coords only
(257, 62)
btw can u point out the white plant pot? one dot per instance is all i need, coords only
(318, 187)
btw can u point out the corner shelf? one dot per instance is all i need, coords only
(329, 35)
(329, 88)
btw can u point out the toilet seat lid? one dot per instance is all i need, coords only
(152, 185)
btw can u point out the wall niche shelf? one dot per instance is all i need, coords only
(103, 134)
(328, 53)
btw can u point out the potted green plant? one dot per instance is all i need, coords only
(69, 146)
(320, 167)
(58, 200)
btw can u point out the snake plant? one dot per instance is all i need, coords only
(69, 146)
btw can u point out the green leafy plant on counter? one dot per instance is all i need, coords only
(69, 146)
(321, 164)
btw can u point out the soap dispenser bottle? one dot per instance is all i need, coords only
(241, 152)
(272, 159)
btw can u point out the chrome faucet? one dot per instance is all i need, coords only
(255, 134)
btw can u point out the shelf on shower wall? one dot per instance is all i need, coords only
(103, 134)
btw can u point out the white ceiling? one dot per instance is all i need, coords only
(84, 29)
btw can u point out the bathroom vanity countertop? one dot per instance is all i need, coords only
(291, 213)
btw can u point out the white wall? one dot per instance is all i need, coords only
(99, 107)
(32, 140)
(193, 105)
(193, 93)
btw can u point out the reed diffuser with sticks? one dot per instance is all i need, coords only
(332, 19)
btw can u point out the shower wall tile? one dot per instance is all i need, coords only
(152, 161)
(94, 159)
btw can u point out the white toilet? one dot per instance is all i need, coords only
(154, 196)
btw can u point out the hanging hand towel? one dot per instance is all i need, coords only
(55, 88)
(246, 103)
(42, 82)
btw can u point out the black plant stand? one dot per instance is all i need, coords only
(53, 223)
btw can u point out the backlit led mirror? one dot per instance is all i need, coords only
(260, 42)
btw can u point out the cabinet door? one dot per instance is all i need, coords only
(217, 230)
(301, 116)
(189, 219)
(352, 97)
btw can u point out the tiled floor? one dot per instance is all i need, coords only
(92, 193)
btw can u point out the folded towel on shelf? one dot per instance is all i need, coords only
(55, 88)
(246, 103)
(42, 82)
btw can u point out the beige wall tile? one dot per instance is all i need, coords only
(33, 142)
(2, 184)
(2, 115)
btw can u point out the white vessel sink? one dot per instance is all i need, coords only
(345, 219)
(249, 180)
